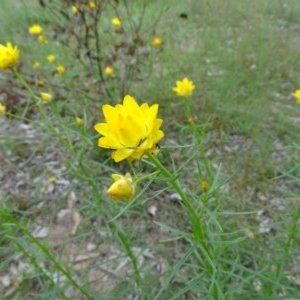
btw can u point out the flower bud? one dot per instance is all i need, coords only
(122, 188)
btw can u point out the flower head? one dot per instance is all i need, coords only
(46, 97)
(91, 5)
(116, 22)
(51, 57)
(109, 71)
(35, 29)
(131, 131)
(78, 121)
(41, 39)
(74, 9)
(36, 65)
(297, 96)
(122, 188)
(2, 109)
(204, 185)
(157, 42)
(184, 88)
(9, 56)
(60, 69)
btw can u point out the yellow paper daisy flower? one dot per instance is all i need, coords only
(91, 5)
(297, 96)
(131, 131)
(157, 42)
(9, 56)
(41, 39)
(109, 71)
(51, 57)
(35, 29)
(116, 22)
(184, 88)
(60, 69)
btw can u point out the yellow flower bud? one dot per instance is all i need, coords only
(41, 39)
(92, 5)
(46, 97)
(74, 9)
(116, 22)
(79, 121)
(205, 185)
(109, 71)
(2, 109)
(122, 188)
(157, 42)
(60, 69)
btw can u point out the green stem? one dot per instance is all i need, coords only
(198, 232)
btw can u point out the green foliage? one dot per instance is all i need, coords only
(216, 212)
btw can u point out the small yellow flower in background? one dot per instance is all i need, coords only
(116, 22)
(91, 5)
(2, 109)
(204, 185)
(60, 69)
(157, 42)
(109, 71)
(184, 88)
(9, 56)
(41, 82)
(46, 97)
(131, 131)
(52, 179)
(191, 120)
(297, 96)
(122, 188)
(78, 121)
(50, 57)
(35, 29)
(36, 65)
(74, 9)
(41, 39)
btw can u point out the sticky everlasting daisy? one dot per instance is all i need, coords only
(184, 88)
(60, 69)
(157, 42)
(131, 131)
(50, 57)
(91, 5)
(9, 56)
(109, 71)
(116, 22)
(35, 29)
(297, 96)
